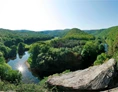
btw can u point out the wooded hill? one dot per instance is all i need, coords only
(56, 51)
(110, 36)
(77, 34)
(11, 37)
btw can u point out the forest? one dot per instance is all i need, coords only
(53, 52)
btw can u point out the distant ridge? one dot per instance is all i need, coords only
(76, 33)
(111, 33)
(55, 33)
(23, 30)
(94, 32)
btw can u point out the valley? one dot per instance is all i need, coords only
(50, 53)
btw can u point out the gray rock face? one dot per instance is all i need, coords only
(92, 78)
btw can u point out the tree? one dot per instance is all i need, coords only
(13, 51)
(21, 48)
(47, 60)
(2, 60)
(101, 59)
(6, 72)
(90, 52)
(13, 76)
(5, 50)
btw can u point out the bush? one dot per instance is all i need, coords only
(6, 72)
(101, 59)
(48, 60)
(21, 48)
(90, 51)
(8, 87)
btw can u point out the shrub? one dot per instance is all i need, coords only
(101, 59)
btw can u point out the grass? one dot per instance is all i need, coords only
(41, 87)
(21, 87)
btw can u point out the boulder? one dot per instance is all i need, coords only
(92, 78)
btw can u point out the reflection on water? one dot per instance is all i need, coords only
(19, 64)
(20, 68)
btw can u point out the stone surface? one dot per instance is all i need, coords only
(92, 78)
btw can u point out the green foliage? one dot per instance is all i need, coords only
(6, 72)
(47, 60)
(66, 71)
(29, 60)
(110, 35)
(101, 59)
(27, 47)
(10, 37)
(41, 87)
(2, 60)
(1, 54)
(75, 50)
(13, 51)
(5, 50)
(58, 43)
(90, 52)
(5, 86)
(35, 50)
(21, 48)
(8, 52)
(56, 33)
(42, 82)
(94, 32)
(78, 35)
(13, 76)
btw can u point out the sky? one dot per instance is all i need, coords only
(41, 15)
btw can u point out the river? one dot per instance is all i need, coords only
(19, 64)
(105, 47)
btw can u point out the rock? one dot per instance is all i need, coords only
(92, 78)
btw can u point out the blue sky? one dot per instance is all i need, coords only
(58, 14)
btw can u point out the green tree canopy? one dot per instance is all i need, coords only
(21, 48)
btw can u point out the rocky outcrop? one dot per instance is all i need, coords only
(92, 78)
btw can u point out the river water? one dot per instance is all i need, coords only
(105, 47)
(20, 64)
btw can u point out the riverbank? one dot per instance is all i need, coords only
(22, 64)
(27, 64)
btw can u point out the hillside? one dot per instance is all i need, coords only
(94, 32)
(10, 37)
(55, 33)
(111, 33)
(108, 33)
(75, 33)
(110, 36)
(70, 50)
